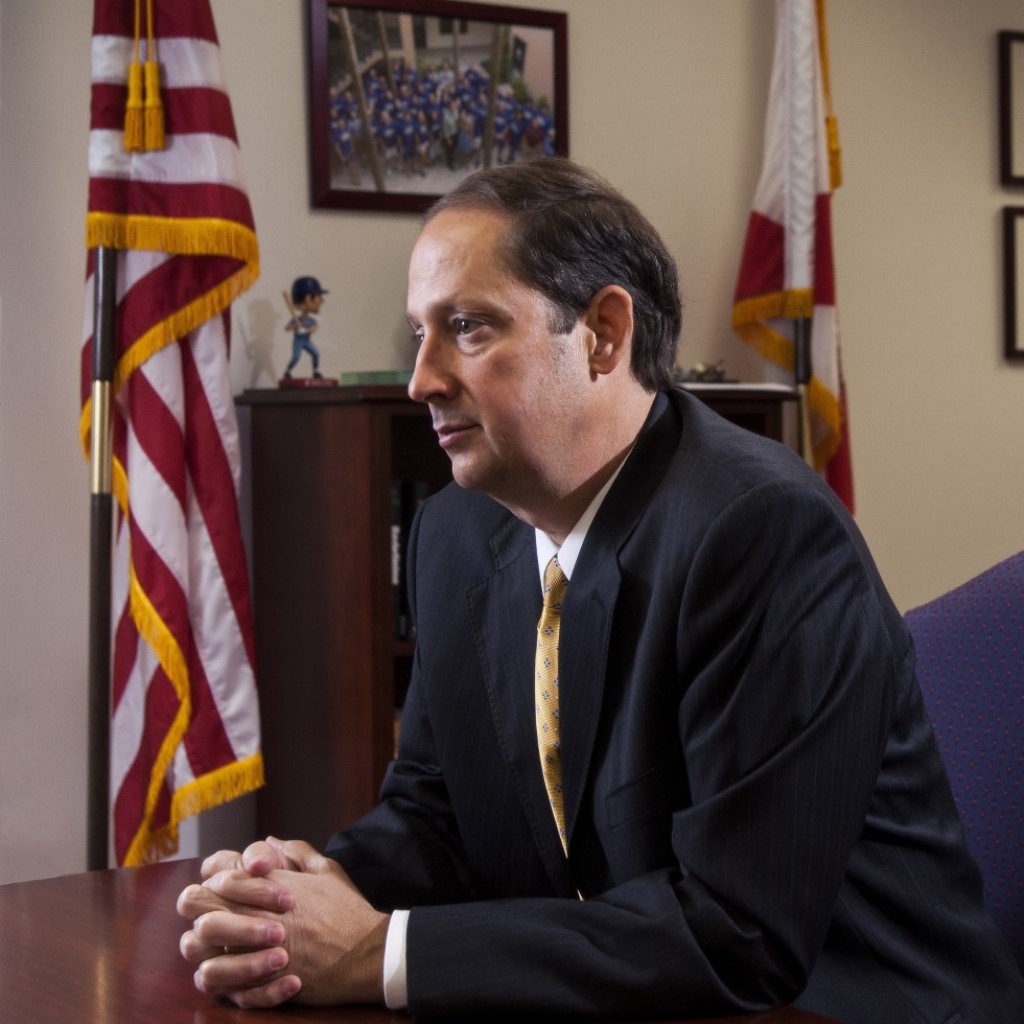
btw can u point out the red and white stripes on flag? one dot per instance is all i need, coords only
(786, 271)
(185, 729)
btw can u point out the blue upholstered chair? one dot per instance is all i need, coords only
(970, 662)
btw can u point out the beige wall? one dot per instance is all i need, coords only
(671, 109)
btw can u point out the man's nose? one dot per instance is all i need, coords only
(431, 377)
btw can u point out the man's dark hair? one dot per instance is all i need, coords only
(571, 234)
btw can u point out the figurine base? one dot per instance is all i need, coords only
(308, 382)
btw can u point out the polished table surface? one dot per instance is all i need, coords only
(102, 948)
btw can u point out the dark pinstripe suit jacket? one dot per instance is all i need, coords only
(757, 812)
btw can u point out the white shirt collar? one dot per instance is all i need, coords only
(570, 549)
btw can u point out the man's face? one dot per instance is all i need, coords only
(505, 393)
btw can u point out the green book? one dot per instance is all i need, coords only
(377, 377)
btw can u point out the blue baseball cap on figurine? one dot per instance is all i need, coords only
(303, 286)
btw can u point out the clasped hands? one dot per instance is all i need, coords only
(280, 921)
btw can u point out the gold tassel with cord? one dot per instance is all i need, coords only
(154, 108)
(835, 161)
(134, 124)
(134, 131)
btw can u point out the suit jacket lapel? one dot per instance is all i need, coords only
(582, 662)
(504, 609)
(589, 609)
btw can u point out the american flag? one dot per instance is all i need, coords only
(185, 727)
(786, 271)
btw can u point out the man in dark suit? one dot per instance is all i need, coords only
(739, 803)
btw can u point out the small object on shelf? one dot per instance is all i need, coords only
(304, 383)
(701, 372)
(304, 302)
(376, 377)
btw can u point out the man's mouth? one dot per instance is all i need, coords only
(451, 433)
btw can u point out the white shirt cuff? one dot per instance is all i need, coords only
(396, 995)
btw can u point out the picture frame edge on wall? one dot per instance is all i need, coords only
(1013, 286)
(397, 189)
(1011, 112)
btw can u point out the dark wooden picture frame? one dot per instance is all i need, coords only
(415, 58)
(1013, 281)
(1011, 108)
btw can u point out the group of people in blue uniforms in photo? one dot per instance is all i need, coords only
(433, 118)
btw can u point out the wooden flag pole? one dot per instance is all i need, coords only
(802, 374)
(100, 557)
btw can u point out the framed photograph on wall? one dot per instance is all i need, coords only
(1013, 281)
(407, 97)
(1011, 108)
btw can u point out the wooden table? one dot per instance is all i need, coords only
(102, 948)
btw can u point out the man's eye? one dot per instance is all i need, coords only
(463, 325)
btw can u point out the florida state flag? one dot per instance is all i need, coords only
(786, 272)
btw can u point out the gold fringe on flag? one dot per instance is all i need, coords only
(780, 349)
(212, 790)
(793, 303)
(181, 236)
(750, 321)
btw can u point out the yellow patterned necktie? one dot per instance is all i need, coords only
(546, 690)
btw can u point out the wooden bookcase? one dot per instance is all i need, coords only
(330, 670)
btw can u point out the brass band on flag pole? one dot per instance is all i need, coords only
(173, 711)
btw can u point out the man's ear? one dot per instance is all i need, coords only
(609, 316)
